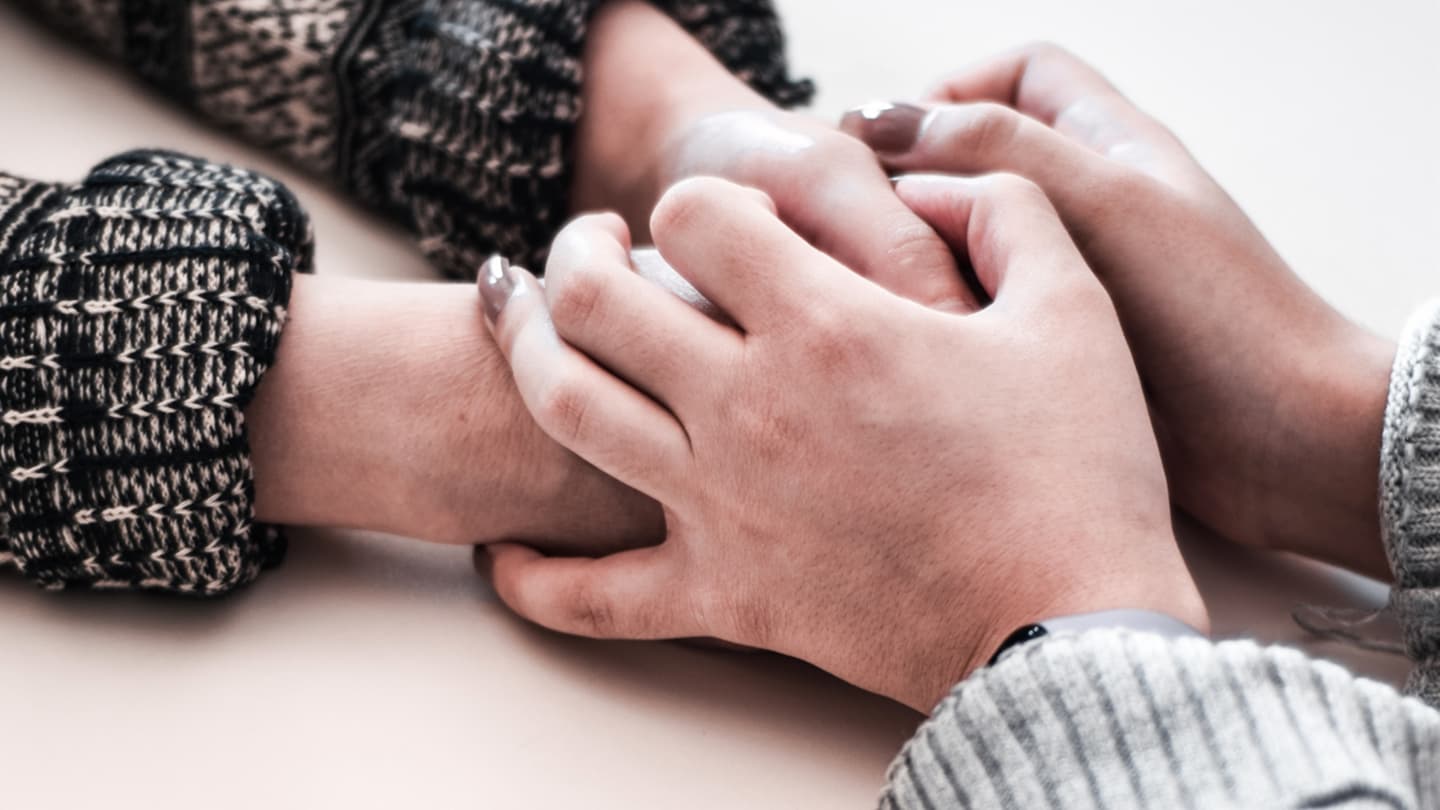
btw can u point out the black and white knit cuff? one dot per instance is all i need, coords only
(481, 103)
(455, 117)
(1410, 496)
(139, 310)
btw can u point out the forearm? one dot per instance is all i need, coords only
(390, 409)
(369, 376)
(1134, 720)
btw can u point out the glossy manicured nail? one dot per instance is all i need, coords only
(890, 129)
(497, 285)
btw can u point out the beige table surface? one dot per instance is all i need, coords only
(372, 672)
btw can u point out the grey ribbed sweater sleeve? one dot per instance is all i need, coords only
(1410, 496)
(1115, 719)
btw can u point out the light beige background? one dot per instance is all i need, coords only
(370, 672)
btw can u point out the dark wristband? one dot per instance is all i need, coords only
(1142, 621)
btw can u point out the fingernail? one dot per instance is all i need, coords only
(887, 128)
(497, 285)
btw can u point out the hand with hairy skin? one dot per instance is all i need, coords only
(849, 477)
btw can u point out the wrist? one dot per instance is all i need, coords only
(370, 417)
(1325, 502)
(389, 408)
(1151, 580)
(646, 81)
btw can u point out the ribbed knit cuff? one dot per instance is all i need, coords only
(1116, 719)
(1410, 496)
(139, 310)
(467, 112)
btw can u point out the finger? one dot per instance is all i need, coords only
(580, 405)
(983, 138)
(859, 220)
(600, 306)
(1007, 227)
(631, 595)
(652, 267)
(738, 253)
(1052, 85)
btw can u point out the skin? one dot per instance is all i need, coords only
(877, 487)
(449, 454)
(704, 123)
(1267, 401)
(389, 408)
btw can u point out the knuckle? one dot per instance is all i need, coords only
(686, 205)
(987, 129)
(592, 614)
(562, 409)
(577, 298)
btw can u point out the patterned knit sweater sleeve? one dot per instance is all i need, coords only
(138, 311)
(456, 117)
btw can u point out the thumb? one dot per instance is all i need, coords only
(631, 595)
(1005, 225)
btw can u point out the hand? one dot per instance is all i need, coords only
(848, 477)
(661, 110)
(829, 188)
(1268, 403)
(390, 409)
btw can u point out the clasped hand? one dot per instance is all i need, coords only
(872, 472)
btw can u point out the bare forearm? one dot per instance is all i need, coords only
(389, 409)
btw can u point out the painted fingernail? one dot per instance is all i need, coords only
(497, 285)
(887, 128)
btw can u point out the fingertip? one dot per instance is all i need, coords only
(496, 282)
(690, 203)
(505, 564)
(602, 235)
(942, 201)
(614, 226)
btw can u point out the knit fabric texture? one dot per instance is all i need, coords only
(456, 117)
(1410, 496)
(1116, 719)
(139, 310)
